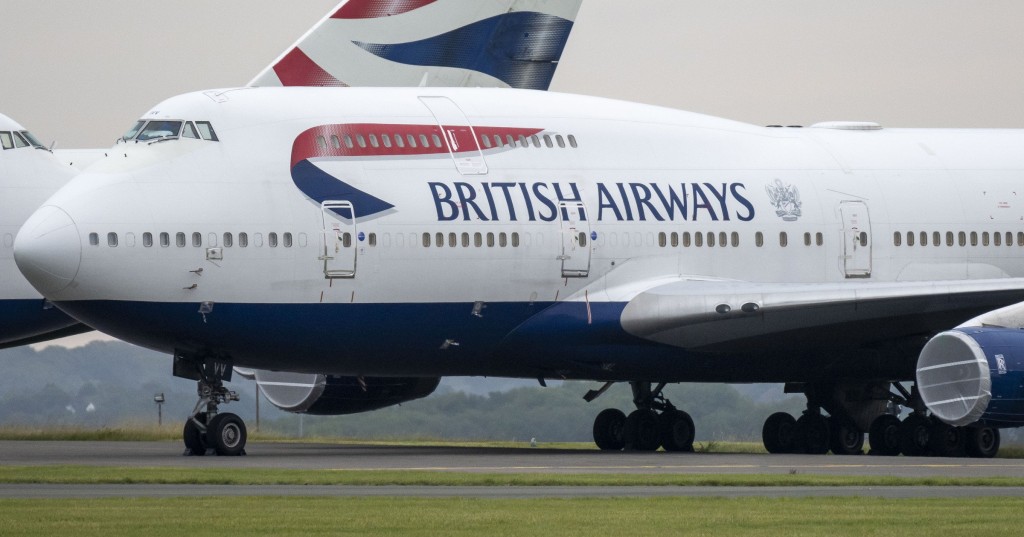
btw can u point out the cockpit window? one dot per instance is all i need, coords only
(6, 140)
(189, 131)
(133, 131)
(160, 129)
(19, 140)
(206, 131)
(31, 139)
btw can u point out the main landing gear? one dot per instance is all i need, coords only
(207, 430)
(842, 432)
(655, 422)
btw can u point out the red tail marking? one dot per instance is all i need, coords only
(297, 69)
(372, 9)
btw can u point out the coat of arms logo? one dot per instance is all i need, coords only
(786, 199)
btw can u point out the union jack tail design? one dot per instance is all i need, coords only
(439, 43)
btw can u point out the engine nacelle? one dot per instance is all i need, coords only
(328, 395)
(973, 374)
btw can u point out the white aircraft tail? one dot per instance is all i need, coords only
(448, 43)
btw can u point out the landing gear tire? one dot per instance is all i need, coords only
(195, 438)
(779, 433)
(608, 429)
(227, 434)
(982, 442)
(677, 431)
(946, 441)
(845, 437)
(812, 434)
(914, 436)
(884, 436)
(642, 431)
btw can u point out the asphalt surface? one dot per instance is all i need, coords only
(311, 456)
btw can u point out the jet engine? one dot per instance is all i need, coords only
(329, 395)
(972, 374)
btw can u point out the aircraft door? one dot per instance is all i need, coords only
(576, 240)
(458, 134)
(338, 243)
(857, 238)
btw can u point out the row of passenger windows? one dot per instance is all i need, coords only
(723, 239)
(18, 139)
(182, 240)
(922, 238)
(422, 140)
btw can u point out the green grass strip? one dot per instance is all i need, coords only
(249, 476)
(455, 517)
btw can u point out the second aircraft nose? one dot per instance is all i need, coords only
(48, 250)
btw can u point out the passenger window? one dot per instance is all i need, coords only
(1020, 238)
(910, 238)
(453, 240)
(373, 141)
(510, 141)
(819, 239)
(7, 140)
(348, 141)
(361, 141)
(675, 239)
(807, 239)
(288, 240)
(112, 240)
(984, 239)
(502, 240)
(165, 240)
(963, 238)
(662, 239)
(1009, 238)
(560, 141)
(698, 239)
(924, 238)
(346, 240)
(206, 131)
(439, 240)
(711, 239)
(335, 141)
(423, 141)
(487, 141)
(197, 239)
(949, 238)
(897, 239)
(179, 239)
(189, 131)
(229, 240)
(536, 141)
(515, 240)
(583, 239)
(686, 239)
(736, 239)
(386, 138)
(783, 239)
(243, 240)
(437, 140)
(997, 239)
(321, 143)
(497, 140)
(465, 240)
(399, 141)
(523, 142)
(478, 240)
(490, 240)
(936, 238)
(863, 238)
(759, 239)
(372, 240)
(572, 141)
(147, 239)
(548, 142)
(426, 240)
(272, 239)
(94, 239)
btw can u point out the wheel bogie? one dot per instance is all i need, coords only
(642, 431)
(608, 429)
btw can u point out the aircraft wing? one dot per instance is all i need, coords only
(722, 315)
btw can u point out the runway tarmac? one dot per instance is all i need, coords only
(314, 456)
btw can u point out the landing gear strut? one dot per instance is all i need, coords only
(655, 423)
(207, 429)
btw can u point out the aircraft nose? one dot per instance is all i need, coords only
(48, 250)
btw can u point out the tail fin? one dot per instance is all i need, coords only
(451, 43)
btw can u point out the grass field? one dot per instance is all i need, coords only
(617, 517)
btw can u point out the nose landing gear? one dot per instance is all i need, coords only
(207, 430)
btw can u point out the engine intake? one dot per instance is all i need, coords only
(328, 395)
(974, 374)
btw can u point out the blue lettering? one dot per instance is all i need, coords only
(721, 198)
(467, 195)
(743, 201)
(642, 195)
(442, 199)
(546, 201)
(529, 202)
(701, 202)
(505, 187)
(625, 202)
(672, 202)
(606, 201)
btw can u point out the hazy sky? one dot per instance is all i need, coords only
(82, 72)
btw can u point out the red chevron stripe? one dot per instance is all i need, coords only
(372, 9)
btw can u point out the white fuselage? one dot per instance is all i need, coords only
(606, 200)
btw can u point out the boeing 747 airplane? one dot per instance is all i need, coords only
(380, 238)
